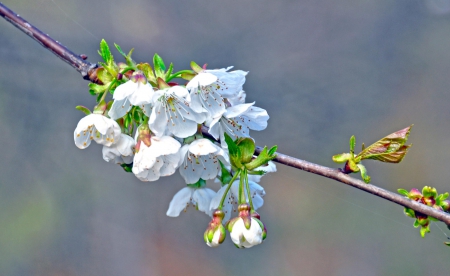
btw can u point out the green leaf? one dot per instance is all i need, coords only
(273, 150)
(424, 230)
(195, 67)
(364, 175)
(260, 160)
(363, 147)
(444, 196)
(233, 149)
(403, 192)
(199, 184)
(416, 223)
(447, 243)
(410, 213)
(169, 71)
(147, 71)
(225, 176)
(95, 89)
(105, 53)
(120, 50)
(188, 76)
(352, 143)
(247, 149)
(341, 158)
(83, 109)
(159, 66)
(352, 165)
(390, 149)
(104, 76)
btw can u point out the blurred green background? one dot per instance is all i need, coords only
(323, 69)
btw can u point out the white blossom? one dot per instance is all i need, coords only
(229, 84)
(96, 127)
(200, 159)
(199, 197)
(246, 238)
(160, 159)
(203, 93)
(237, 122)
(172, 114)
(121, 152)
(137, 91)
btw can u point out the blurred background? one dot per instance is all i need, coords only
(324, 70)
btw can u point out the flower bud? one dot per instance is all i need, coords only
(445, 205)
(245, 230)
(415, 194)
(215, 233)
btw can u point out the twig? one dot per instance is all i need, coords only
(88, 71)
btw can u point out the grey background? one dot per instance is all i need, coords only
(324, 70)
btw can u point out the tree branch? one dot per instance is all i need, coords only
(88, 71)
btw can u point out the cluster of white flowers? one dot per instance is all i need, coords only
(170, 138)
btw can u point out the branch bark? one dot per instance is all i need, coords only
(88, 72)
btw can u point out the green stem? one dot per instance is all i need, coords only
(241, 189)
(177, 74)
(249, 194)
(106, 91)
(227, 190)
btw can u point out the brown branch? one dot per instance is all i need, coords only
(88, 71)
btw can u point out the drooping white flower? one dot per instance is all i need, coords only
(270, 167)
(121, 152)
(96, 127)
(228, 84)
(137, 91)
(199, 197)
(257, 193)
(237, 122)
(203, 93)
(161, 158)
(200, 159)
(246, 238)
(172, 114)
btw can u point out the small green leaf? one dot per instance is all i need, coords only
(159, 66)
(424, 230)
(447, 243)
(352, 143)
(199, 184)
(364, 175)
(260, 160)
(247, 149)
(105, 53)
(390, 149)
(188, 76)
(120, 50)
(95, 89)
(416, 223)
(83, 109)
(352, 165)
(225, 176)
(410, 213)
(363, 147)
(341, 158)
(169, 71)
(403, 192)
(147, 71)
(444, 196)
(273, 150)
(233, 149)
(104, 76)
(195, 67)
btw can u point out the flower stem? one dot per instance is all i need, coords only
(249, 194)
(227, 190)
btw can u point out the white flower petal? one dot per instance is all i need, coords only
(203, 198)
(179, 202)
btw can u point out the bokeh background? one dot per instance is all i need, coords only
(323, 69)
